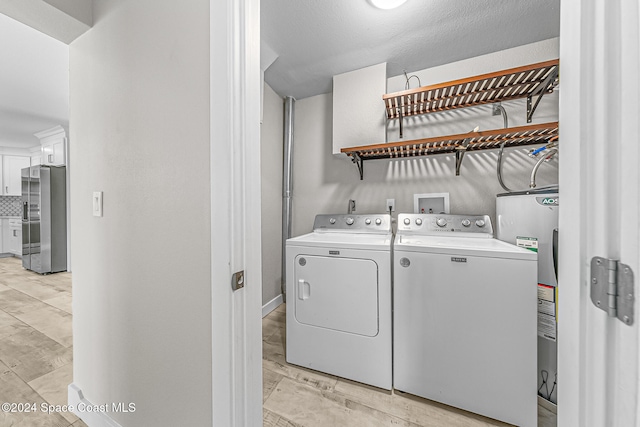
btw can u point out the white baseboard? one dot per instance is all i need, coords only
(91, 418)
(272, 305)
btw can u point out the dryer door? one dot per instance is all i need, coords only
(337, 293)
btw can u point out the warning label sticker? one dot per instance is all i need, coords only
(547, 324)
(530, 243)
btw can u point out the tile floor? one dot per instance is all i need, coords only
(36, 367)
(296, 397)
(35, 344)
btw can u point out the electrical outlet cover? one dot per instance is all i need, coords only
(391, 205)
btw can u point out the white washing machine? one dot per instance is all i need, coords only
(339, 298)
(465, 313)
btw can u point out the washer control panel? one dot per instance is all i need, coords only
(435, 224)
(371, 223)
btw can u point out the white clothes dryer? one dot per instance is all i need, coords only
(465, 317)
(339, 298)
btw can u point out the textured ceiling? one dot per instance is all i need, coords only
(317, 39)
(34, 83)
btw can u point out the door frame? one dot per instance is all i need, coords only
(235, 212)
(598, 360)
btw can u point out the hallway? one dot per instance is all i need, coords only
(35, 345)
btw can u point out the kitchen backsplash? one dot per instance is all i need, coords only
(10, 206)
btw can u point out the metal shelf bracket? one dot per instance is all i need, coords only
(544, 87)
(359, 161)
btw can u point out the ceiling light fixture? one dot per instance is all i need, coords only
(387, 4)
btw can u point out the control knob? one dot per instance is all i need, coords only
(418, 221)
(480, 222)
(378, 221)
(466, 222)
(367, 221)
(332, 221)
(407, 221)
(349, 221)
(441, 222)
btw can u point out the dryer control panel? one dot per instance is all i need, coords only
(349, 223)
(438, 224)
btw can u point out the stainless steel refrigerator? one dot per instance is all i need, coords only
(44, 219)
(530, 219)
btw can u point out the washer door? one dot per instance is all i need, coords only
(337, 293)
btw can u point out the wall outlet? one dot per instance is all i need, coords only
(391, 205)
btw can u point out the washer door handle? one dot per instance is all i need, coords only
(304, 289)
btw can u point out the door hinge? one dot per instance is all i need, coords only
(612, 288)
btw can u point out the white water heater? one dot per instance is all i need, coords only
(529, 219)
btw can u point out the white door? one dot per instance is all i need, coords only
(235, 203)
(598, 365)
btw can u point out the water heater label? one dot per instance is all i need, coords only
(548, 201)
(530, 243)
(547, 324)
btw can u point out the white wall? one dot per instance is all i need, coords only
(142, 284)
(323, 183)
(271, 154)
(357, 117)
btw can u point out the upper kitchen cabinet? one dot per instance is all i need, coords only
(11, 174)
(54, 146)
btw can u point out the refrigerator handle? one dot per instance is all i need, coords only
(555, 252)
(25, 211)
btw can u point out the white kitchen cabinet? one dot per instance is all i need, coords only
(11, 242)
(53, 154)
(11, 174)
(54, 146)
(4, 242)
(14, 242)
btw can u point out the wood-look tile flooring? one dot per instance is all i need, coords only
(36, 367)
(298, 397)
(35, 344)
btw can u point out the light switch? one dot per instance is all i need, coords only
(97, 203)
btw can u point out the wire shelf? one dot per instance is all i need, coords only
(514, 83)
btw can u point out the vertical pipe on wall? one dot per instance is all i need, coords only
(287, 185)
